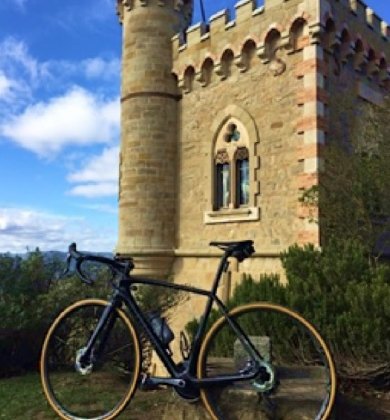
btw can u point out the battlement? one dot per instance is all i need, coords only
(283, 24)
(246, 10)
(183, 7)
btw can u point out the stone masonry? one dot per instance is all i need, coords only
(271, 72)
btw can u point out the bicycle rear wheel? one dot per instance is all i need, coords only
(304, 381)
(101, 387)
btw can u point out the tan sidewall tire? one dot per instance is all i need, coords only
(268, 306)
(133, 333)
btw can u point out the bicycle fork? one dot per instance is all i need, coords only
(88, 355)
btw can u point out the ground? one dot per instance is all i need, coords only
(21, 398)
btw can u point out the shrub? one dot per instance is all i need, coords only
(342, 291)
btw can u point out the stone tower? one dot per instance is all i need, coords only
(224, 149)
(149, 98)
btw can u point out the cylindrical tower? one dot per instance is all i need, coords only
(149, 109)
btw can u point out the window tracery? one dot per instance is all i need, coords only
(231, 169)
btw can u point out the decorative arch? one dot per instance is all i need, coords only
(206, 72)
(272, 43)
(232, 167)
(359, 59)
(248, 52)
(329, 34)
(224, 68)
(188, 79)
(298, 33)
(345, 45)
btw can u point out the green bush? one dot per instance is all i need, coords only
(344, 293)
(30, 298)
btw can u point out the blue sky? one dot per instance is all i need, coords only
(59, 121)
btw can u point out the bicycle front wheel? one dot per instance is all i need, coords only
(298, 380)
(102, 386)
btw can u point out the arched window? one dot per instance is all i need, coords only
(231, 169)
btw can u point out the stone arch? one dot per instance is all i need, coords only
(345, 45)
(188, 79)
(359, 58)
(206, 71)
(234, 113)
(372, 67)
(297, 34)
(329, 34)
(248, 52)
(272, 43)
(224, 68)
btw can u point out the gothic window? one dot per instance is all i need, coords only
(231, 170)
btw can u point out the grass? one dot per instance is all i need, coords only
(21, 397)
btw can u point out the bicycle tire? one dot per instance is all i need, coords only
(101, 390)
(305, 377)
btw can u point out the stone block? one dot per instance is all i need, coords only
(262, 345)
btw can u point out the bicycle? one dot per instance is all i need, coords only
(255, 360)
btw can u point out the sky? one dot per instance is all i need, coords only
(60, 121)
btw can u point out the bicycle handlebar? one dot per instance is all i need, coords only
(117, 267)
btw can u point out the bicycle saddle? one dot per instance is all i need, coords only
(237, 249)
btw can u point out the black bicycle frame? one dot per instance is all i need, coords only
(178, 375)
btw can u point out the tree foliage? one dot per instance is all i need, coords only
(353, 194)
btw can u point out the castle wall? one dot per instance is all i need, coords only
(254, 92)
(290, 110)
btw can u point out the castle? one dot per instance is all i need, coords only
(224, 125)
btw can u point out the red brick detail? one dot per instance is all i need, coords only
(303, 42)
(311, 66)
(308, 236)
(311, 123)
(314, 94)
(307, 180)
(307, 212)
(306, 151)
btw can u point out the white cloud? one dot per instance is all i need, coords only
(98, 177)
(5, 86)
(100, 68)
(21, 228)
(15, 57)
(101, 189)
(100, 168)
(102, 207)
(76, 118)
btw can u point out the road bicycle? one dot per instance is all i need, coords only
(259, 360)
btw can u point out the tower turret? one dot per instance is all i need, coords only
(149, 109)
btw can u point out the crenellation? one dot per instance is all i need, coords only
(373, 21)
(218, 21)
(195, 33)
(385, 30)
(244, 10)
(359, 9)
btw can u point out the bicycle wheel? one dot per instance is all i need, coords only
(100, 388)
(301, 383)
